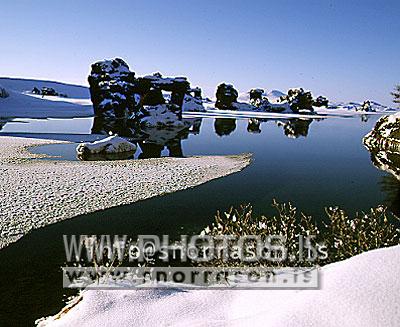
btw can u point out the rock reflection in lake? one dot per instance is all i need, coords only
(293, 127)
(389, 162)
(296, 127)
(254, 126)
(224, 126)
(152, 140)
(390, 185)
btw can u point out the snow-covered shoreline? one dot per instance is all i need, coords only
(42, 192)
(360, 291)
(22, 103)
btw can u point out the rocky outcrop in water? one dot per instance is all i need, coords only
(226, 96)
(383, 142)
(178, 86)
(117, 93)
(227, 99)
(193, 100)
(3, 93)
(385, 135)
(321, 102)
(298, 99)
(112, 147)
(47, 91)
(113, 89)
(256, 96)
(366, 106)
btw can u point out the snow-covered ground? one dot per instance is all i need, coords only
(23, 104)
(42, 192)
(360, 291)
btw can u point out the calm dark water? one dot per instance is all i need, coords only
(322, 163)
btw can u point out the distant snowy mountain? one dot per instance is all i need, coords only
(273, 96)
(244, 97)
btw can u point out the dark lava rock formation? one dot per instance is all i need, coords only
(226, 96)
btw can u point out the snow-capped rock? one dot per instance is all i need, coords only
(256, 96)
(110, 145)
(321, 101)
(366, 107)
(117, 93)
(162, 115)
(385, 135)
(112, 89)
(178, 86)
(226, 95)
(191, 103)
(299, 100)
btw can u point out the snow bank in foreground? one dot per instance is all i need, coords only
(361, 291)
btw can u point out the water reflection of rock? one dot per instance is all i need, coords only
(152, 140)
(383, 142)
(387, 161)
(224, 126)
(390, 185)
(253, 126)
(296, 127)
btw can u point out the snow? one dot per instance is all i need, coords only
(26, 85)
(164, 80)
(23, 104)
(191, 103)
(244, 97)
(360, 291)
(161, 116)
(109, 145)
(274, 96)
(354, 106)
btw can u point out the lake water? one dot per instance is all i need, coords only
(312, 163)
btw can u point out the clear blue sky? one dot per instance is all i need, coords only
(346, 50)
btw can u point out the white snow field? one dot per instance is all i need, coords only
(22, 103)
(360, 291)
